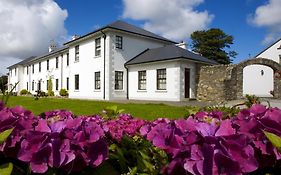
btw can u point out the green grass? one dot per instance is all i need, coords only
(88, 107)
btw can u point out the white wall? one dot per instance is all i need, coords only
(86, 67)
(175, 73)
(254, 83)
(272, 52)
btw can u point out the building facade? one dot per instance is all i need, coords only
(98, 66)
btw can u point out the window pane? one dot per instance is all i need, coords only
(97, 80)
(119, 42)
(76, 82)
(77, 53)
(98, 47)
(142, 80)
(161, 79)
(118, 80)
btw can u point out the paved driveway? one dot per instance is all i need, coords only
(272, 102)
(264, 101)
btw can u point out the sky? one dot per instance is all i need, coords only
(27, 27)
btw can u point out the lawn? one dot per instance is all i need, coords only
(88, 107)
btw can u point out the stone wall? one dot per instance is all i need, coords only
(217, 83)
(225, 82)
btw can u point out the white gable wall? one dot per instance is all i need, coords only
(132, 46)
(272, 52)
(86, 67)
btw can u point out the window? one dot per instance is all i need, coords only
(39, 86)
(27, 69)
(15, 71)
(76, 82)
(39, 66)
(77, 53)
(57, 84)
(118, 80)
(47, 64)
(119, 42)
(97, 80)
(142, 80)
(33, 68)
(47, 85)
(67, 59)
(161, 79)
(98, 47)
(32, 85)
(67, 83)
(26, 85)
(57, 62)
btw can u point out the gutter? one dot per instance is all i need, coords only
(127, 83)
(104, 37)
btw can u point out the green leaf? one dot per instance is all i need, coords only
(5, 134)
(274, 139)
(6, 169)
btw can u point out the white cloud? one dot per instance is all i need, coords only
(27, 26)
(268, 16)
(173, 19)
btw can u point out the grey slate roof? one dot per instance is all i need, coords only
(22, 62)
(126, 27)
(35, 58)
(168, 52)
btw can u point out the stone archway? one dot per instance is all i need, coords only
(258, 61)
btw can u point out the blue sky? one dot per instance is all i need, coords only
(28, 26)
(229, 15)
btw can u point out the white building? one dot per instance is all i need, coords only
(118, 61)
(258, 79)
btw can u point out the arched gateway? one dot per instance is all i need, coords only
(258, 77)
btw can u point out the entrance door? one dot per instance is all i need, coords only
(186, 82)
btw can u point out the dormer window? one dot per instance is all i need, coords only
(97, 47)
(119, 42)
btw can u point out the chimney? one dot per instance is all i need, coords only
(182, 44)
(74, 37)
(52, 46)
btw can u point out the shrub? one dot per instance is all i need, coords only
(251, 100)
(63, 92)
(24, 92)
(50, 87)
(51, 93)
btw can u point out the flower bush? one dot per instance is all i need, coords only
(203, 143)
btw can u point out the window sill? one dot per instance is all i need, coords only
(77, 61)
(119, 49)
(142, 90)
(98, 56)
(97, 90)
(119, 90)
(76, 90)
(161, 91)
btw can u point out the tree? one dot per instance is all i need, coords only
(3, 83)
(50, 87)
(212, 44)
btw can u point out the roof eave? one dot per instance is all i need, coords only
(109, 27)
(170, 59)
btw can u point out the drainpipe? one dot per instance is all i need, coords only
(104, 37)
(127, 70)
